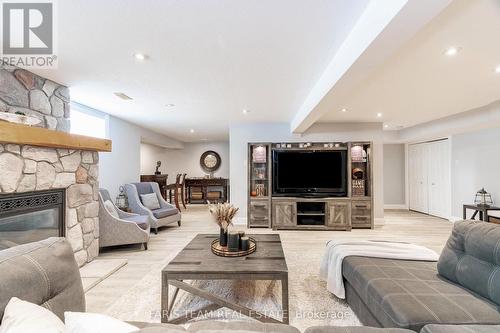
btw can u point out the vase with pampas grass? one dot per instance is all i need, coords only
(223, 214)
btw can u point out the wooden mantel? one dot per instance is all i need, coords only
(42, 137)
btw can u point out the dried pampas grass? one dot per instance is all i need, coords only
(223, 214)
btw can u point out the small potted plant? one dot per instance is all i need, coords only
(223, 214)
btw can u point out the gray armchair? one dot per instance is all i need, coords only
(120, 228)
(160, 217)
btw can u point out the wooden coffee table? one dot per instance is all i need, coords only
(197, 262)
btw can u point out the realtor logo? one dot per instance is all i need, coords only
(28, 34)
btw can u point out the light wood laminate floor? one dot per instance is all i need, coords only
(302, 248)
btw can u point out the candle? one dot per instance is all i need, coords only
(245, 243)
(233, 241)
(241, 233)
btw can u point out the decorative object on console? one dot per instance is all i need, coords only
(121, 199)
(210, 161)
(19, 118)
(483, 198)
(158, 165)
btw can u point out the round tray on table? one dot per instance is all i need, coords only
(223, 251)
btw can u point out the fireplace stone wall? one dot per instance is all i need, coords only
(33, 95)
(28, 168)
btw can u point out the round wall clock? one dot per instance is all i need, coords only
(210, 161)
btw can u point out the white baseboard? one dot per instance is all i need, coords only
(397, 206)
(379, 221)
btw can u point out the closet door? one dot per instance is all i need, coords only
(417, 165)
(439, 178)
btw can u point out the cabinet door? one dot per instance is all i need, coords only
(284, 214)
(338, 214)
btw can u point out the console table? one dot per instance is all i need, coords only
(199, 189)
(162, 181)
(482, 210)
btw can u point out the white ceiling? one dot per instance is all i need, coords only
(419, 83)
(211, 58)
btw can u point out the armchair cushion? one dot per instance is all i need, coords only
(164, 212)
(111, 208)
(141, 220)
(150, 201)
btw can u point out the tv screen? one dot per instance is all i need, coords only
(306, 172)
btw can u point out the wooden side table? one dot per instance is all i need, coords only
(482, 210)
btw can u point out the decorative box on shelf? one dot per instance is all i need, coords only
(358, 187)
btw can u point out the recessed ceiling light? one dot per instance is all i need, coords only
(386, 126)
(245, 111)
(140, 56)
(170, 105)
(191, 130)
(123, 96)
(450, 52)
(497, 70)
(379, 115)
(344, 110)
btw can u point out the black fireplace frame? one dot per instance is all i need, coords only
(12, 204)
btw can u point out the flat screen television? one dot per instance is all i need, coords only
(318, 173)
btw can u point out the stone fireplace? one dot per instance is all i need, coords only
(32, 216)
(38, 163)
(29, 169)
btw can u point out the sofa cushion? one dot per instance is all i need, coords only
(239, 326)
(460, 329)
(471, 258)
(83, 322)
(354, 329)
(43, 273)
(25, 317)
(410, 294)
(111, 209)
(5, 244)
(157, 327)
(164, 212)
(150, 201)
(141, 220)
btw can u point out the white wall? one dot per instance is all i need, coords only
(185, 160)
(475, 164)
(241, 135)
(394, 175)
(122, 165)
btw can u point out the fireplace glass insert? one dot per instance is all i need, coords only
(30, 217)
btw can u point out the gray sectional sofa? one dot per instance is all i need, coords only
(463, 288)
(395, 294)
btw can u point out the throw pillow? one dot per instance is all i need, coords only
(25, 317)
(111, 208)
(150, 201)
(80, 322)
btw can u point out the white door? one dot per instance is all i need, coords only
(417, 170)
(429, 178)
(439, 178)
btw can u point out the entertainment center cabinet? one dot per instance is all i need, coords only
(341, 173)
